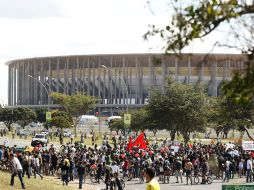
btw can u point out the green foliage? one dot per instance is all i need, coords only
(41, 115)
(6, 117)
(197, 19)
(181, 108)
(61, 119)
(75, 105)
(116, 125)
(24, 116)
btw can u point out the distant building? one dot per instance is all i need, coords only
(121, 80)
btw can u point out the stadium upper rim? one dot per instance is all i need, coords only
(119, 54)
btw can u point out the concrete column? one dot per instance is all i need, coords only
(58, 76)
(14, 83)
(42, 81)
(141, 84)
(93, 79)
(50, 82)
(9, 86)
(164, 74)
(137, 81)
(176, 69)
(189, 69)
(73, 78)
(68, 77)
(99, 81)
(65, 78)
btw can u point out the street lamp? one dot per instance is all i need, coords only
(125, 85)
(42, 86)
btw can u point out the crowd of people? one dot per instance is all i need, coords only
(110, 163)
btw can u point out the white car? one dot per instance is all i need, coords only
(39, 139)
(67, 134)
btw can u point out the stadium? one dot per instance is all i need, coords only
(119, 81)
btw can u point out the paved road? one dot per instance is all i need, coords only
(134, 185)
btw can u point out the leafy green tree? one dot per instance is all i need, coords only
(116, 125)
(6, 116)
(197, 19)
(41, 115)
(180, 109)
(61, 119)
(24, 116)
(75, 105)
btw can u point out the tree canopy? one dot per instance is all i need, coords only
(180, 109)
(196, 19)
(75, 105)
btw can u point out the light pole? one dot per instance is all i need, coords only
(125, 85)
(42, 86)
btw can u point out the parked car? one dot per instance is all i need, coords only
(39, 139)
(67, 134)
(24, 132)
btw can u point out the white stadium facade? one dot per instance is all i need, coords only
(118, 80)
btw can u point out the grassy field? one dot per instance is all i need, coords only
(32, 184)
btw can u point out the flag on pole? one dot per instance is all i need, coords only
(129, 147)
(139, 141)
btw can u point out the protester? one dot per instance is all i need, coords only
(17, 170)
(152, 183)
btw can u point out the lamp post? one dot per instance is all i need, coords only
(125, 85)
(42, 86)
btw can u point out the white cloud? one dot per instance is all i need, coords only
(16, 9)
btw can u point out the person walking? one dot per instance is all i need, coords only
(249, 170)
(81, 171)
(227, 170)
(36, 166)
(178, 170)
(152, 183)
(17, 170)
(188, 169)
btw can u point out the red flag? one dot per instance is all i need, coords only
(143, 145)
(140, 140)
(130, 144)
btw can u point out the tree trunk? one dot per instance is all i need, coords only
(172, 135)
(154, 132)
(248, 133)
(186, 137)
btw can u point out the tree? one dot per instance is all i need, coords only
(180, 109)
(6, 116)
(75, 105)
(116, 125)
(61, 119)
(24, 116)
(196, 19)
(41, 115)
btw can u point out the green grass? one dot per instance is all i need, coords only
(48, 183)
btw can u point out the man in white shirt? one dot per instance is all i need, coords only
(17, 170)
(115, 168)
(249, 170)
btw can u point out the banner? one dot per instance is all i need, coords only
(127, 119)
(48, 116)
(175, 148)
(248, 145)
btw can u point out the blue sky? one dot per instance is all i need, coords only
(32, 28)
